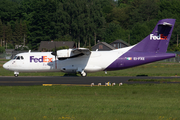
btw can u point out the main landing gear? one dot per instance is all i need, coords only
(83, 74)
(16, 74)
(81, 71)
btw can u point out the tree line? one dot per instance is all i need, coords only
(28, 22)
(12, 37)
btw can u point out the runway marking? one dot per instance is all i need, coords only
(65, 84)
(68, 85)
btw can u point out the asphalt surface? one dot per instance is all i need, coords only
(56, 80)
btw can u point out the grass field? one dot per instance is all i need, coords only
(127, 102)
(156, 80)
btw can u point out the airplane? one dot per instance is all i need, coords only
(82, 60)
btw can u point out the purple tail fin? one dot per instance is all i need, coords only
(158, 40)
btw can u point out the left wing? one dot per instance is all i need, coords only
(84, 51)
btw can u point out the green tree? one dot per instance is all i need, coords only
(17, 34)
(8, 34)
(2, 49)
(40, 26)
(170, 9)
(120, 16)
(143, 10)
(1, 31)
(4, 34)
(175, 48)
(9, 11)
(114, 32)
(138, 32)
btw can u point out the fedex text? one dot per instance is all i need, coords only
(160, 37)
(41, 59)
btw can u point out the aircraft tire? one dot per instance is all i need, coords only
(84, 74)
(15, 75)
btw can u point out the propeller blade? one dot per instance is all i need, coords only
(54, 52)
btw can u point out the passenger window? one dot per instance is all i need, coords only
(18, 58)
(22, 57)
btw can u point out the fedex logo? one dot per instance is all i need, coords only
(41, 59)
(160, 37)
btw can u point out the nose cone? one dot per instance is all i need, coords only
(6, 66)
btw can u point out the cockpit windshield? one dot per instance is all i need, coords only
(15, 57)
(18, 58)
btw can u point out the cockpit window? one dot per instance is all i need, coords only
(18, 58)
(15, 57)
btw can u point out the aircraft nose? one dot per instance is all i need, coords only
(6, 66)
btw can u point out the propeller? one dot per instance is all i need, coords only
(55, 54)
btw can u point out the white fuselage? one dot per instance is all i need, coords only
(46, 62)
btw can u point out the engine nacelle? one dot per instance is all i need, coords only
(65, 53)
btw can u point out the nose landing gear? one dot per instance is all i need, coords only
(16, 74)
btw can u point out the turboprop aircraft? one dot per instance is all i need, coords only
(82, 60)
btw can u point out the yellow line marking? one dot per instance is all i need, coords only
(68, 85)
(22, 81)
(47, 84)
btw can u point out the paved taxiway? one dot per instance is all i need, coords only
(26, 81)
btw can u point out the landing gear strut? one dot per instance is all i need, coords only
(83, 74)
(81, 71)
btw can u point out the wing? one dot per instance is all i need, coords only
(84, 51)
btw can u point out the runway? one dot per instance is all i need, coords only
(59, 80)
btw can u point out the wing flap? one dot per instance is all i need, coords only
(85, 51)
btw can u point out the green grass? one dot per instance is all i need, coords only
(127, 102)
(156, 80)
(153, 69)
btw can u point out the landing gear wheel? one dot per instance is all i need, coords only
(16, 75)
(83, 74)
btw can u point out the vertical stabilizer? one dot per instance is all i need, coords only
(158, 40)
